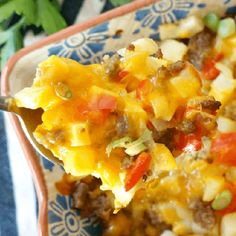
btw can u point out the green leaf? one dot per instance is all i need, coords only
(4, 35)
(29, 12)
(56, 4)
(49, 17)
(25, 7)
(119, 2)
(13, 44)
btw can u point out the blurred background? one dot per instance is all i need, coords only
(22, 23)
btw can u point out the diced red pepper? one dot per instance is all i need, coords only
(223, 148)
(232, 206)
(180, 113)
(120, 75)
(135, 173)
(210, 72)
(219, 56)
(148, 108)
(82, 110)
(143, 89)
(150, 125)
(188, 142)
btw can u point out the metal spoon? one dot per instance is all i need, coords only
(29, 119)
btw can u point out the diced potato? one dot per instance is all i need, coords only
(168, 212)
(79, 134)
(187, 83)
(163, 160)
(168, 31)
(180, 228)
(98, 90)
(133, 61)
(30, 97)
(171, 185)
(137, 116)
(168, 233)
(226, 125)
(213, 185)
(231, 174)
(228, 225)
(163, 107)
(131, 106)
(185, 28)
(145, 45)
(190, 26)
(224, 85)
(228, 47)
(173, 50)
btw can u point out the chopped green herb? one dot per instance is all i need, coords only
(135, 148)
(123, 142)
(132, 148)
(211, 20)
(226, 27)
(138, 145)
(63, 91)
(222, 200)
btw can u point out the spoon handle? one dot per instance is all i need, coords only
(6, 103)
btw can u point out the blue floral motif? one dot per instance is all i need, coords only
(82, 46)
(163, 11)
(63, 220)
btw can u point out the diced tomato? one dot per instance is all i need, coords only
(232, 206)
(98, 109)
(135, 173)
(210, 72)
(143, 89)
(103, 102)
(223, 148)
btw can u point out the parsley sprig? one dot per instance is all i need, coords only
(37, 13)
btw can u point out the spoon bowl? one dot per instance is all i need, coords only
(29, 120)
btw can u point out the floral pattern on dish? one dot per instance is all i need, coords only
(64, 220)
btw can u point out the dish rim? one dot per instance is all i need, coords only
(30, 155)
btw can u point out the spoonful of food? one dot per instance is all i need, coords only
(30, 119)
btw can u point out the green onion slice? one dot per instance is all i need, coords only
(132, 148)
(123, 142)
(138, 145)
(222, 200)
(63, 91)
(226, 27)
(211, 20)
